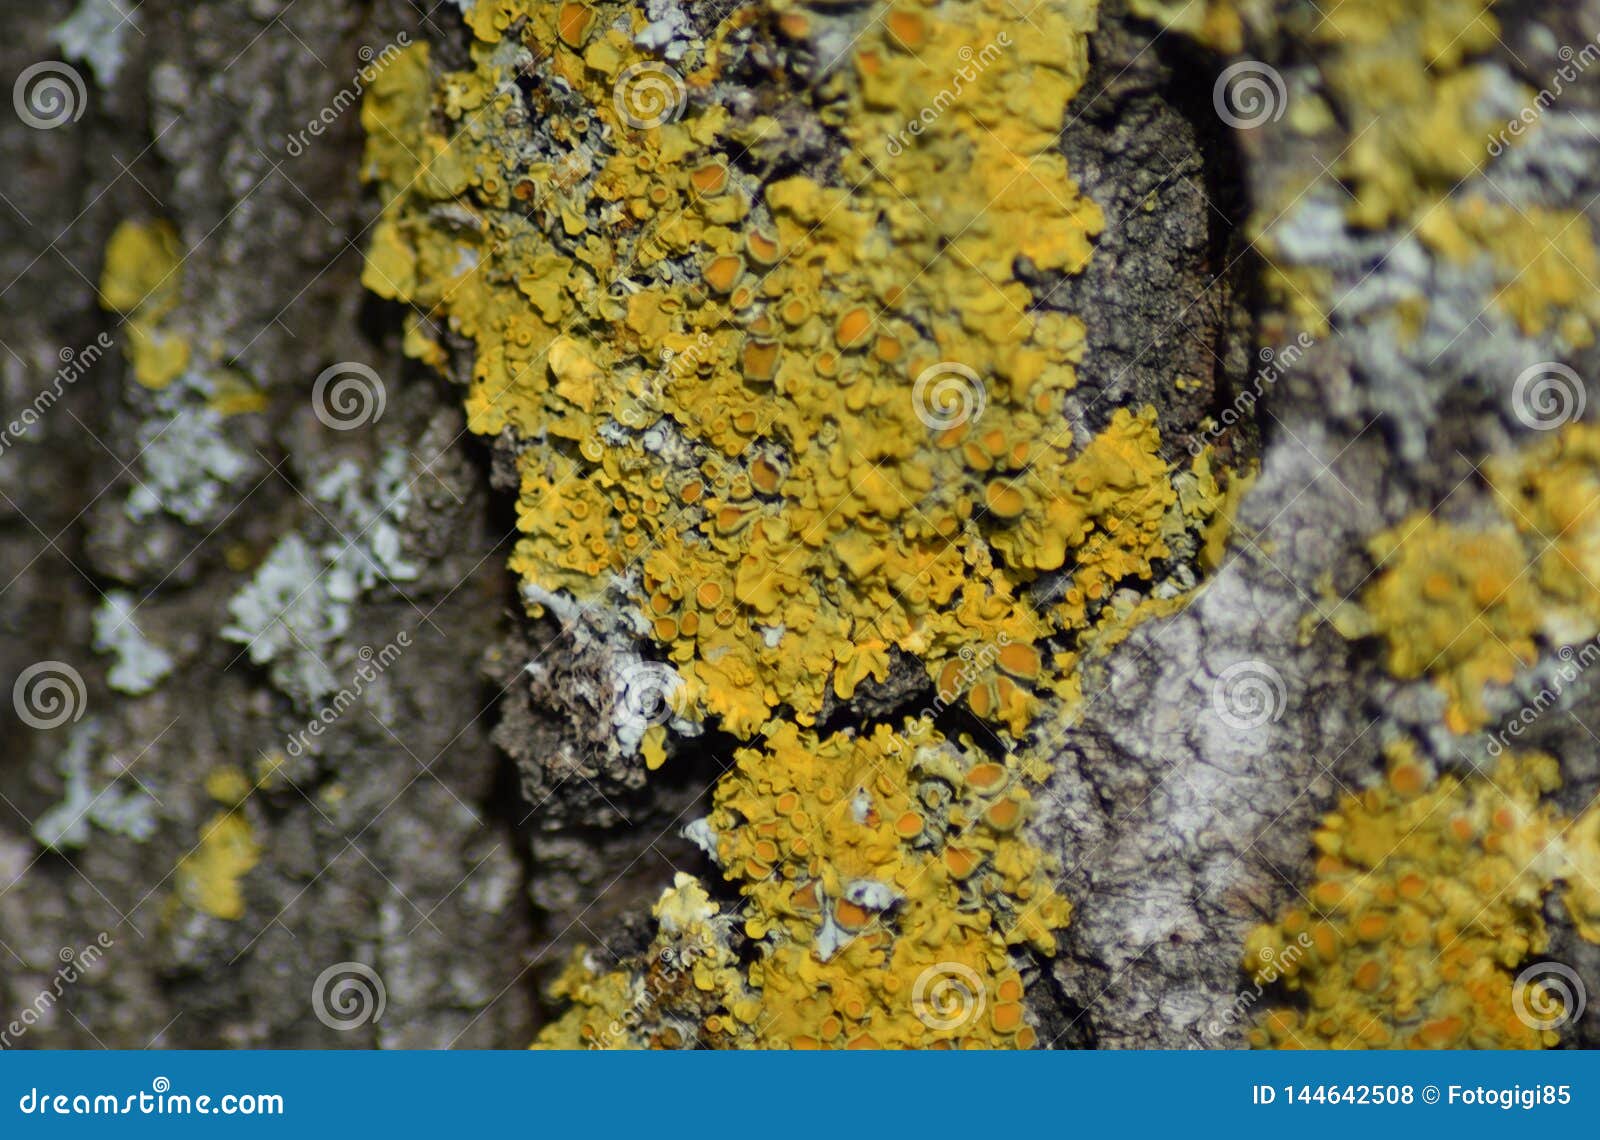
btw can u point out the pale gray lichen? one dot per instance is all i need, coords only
(369, 512)
(94, 33)
(141, 664)
(668, 32)
(187, 463)
(299, 605)
(110, 807)
(700, 833)
(290, 614)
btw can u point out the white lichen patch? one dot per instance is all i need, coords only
(187, 463)
(96, 33)
(110, 806)
(141, 665)
(296, 610)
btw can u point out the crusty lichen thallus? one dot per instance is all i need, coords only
(1469, 604)
(723, 391)
(1426, 903)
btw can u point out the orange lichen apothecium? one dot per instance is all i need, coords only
(798, 426)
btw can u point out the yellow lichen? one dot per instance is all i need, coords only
(141, 278)
(885, 877)
(208, 877)
(798, 427)
(1426, 901)
(1544, 262)
(1469, 604)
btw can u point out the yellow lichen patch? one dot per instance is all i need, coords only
(850, 888)
(228, 785)
(1468, 605)
(688, 987)
(1545, 262)
(797, 429)
(141, 268)
(1427, 901)
(799, 349)
(208, 877)
(1402, 74)
(141, 278)
(884, 897)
